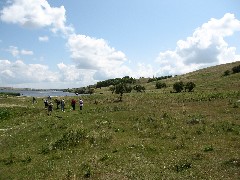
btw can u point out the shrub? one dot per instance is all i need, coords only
(139, 88)
(122, 88)
(69, 139)
(208, 148)
(227, 73)
(178, 86)
(160, 85)
(182, 166)
(236, 69)
(190, 86)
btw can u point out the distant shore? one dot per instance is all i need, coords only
(38, 93)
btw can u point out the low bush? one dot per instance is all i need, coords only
(70, 139)
(178, 86)
(236, 69)
(160, 85)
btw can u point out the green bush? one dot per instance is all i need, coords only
(227, 73)
(70, 139)
(160, 85)
(182, 166)
(236, 69)
(139, 88)
(190, 86)
(178, 86)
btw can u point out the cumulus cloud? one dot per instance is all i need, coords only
(96, 54)
(206, 47)
(36, 14)
(16, 52)
(19, 72)
(43, 38)
(26, 52)
(76, 76)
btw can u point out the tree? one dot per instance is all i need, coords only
(178, 86)
(112, 88)
(160, 85)
(190, 86)
(122, 88)
(139, 88)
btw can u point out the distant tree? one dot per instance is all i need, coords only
(189, 86)
(122, 88)
(160, 85)
(139, 88)
(178, 86)
(236, 69)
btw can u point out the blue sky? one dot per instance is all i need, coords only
(66, 44)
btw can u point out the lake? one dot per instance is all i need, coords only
(45, 93)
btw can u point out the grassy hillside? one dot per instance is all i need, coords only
(151, 135)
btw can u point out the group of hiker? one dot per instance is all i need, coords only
(49, 105)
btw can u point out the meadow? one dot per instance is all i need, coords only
(152, 135)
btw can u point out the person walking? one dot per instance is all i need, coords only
(62, 105)
(46, 103)
(81, 104)
(73, 103)
(34, 100)
(50, 108)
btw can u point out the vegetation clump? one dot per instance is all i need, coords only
(139, 88)
(160, 85)
(9, 94)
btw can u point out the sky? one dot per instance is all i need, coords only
(56, 44)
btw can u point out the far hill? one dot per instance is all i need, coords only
(207, 79)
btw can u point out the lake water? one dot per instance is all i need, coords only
(41, 93)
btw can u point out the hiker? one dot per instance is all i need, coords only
(81, 104)
(57, 101)
(46, 103)
(34, 100)
(73, 103)
(62, 105)
(50, 108)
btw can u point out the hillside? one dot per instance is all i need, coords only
(151, 135)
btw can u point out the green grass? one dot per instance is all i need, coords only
(152, 135)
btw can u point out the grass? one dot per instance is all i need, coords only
(152, 135)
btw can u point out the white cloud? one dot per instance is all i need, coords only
(13, 50)
(26, 52)
(36, 14)
(95, 54)
(16, 52)
(206, 47)
(43, 38)
(70, 73)
(19, 72)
